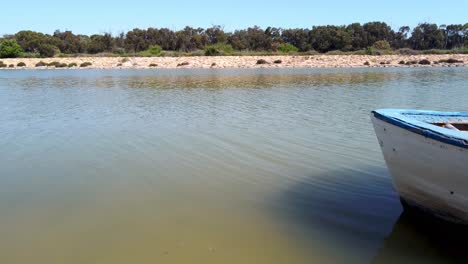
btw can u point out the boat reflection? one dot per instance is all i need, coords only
(418, 238)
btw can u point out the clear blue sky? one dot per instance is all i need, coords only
(99, 16)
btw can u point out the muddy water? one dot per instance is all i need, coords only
(210, 166)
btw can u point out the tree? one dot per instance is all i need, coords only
(427, 36)
(358, 36)
(68, 42)
(297, 37)
(328, 38)
(376, 31)
(136, 40)
(9, 48)
(100, 43)
(215, 35)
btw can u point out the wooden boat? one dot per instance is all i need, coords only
(427, 155)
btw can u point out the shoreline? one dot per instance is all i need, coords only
(243, 62)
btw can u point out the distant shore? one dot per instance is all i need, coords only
(240, 62)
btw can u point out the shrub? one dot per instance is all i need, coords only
(407, 51)
(287, 48)
(61, 65)
(41, 64)
(119, 64)
(278, 62)
(424, 62)
(218, 49)
(402, 62)
(53, 64)
(10, 49)
(450, 61)
(153, 65)
(2, 65)
(381, 45)
(370, 51)
(11, 66)
(262, 61)
(85, 64)
(183, 64)
(30, 55)
(73, 64)
(213, 64)
(154, 50)
(411, 62)
(119, 51)
(46, 50)
(21, 64)
(367, 63)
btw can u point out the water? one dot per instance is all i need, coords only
(211, 166)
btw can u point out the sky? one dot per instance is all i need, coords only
(100, 16)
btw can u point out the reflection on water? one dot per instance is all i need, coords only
(415, 238)
(192, 166)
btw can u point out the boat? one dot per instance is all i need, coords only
(426, 153)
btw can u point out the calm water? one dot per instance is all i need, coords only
(189, 166)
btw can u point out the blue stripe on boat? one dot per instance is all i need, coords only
(419, 121)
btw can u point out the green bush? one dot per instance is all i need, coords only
(30, 55)
(9, 48)
(287, 48)
(154, 50)
(218, 49)
(61, 65)
(2, 65)
(183, 64)
(53, 64)
(47, 50)
(381, 45)
(407, 51)
(424, 62)
(119, 51)
(85, 64)
(413, 62)
(21, 64)
(41, 64)
(450, 61)
(73, 64)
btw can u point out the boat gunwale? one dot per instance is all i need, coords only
(402, 118)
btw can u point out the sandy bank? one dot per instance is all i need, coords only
(315, 61)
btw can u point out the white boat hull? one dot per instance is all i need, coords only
(427, 173)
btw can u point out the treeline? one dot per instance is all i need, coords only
(216, 41)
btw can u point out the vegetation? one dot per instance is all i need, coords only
(21, 64)
(73, 64)
(450, 61)
(153, 65)
(218, 49)
(262, 61)
(2, 65)
(370, 38)
(9, 48)
(41, 64)
(278, 62)
(85, 64)
(183, 64)
(287, 48)
(424, 62)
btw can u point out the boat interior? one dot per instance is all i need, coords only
(462, 127)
